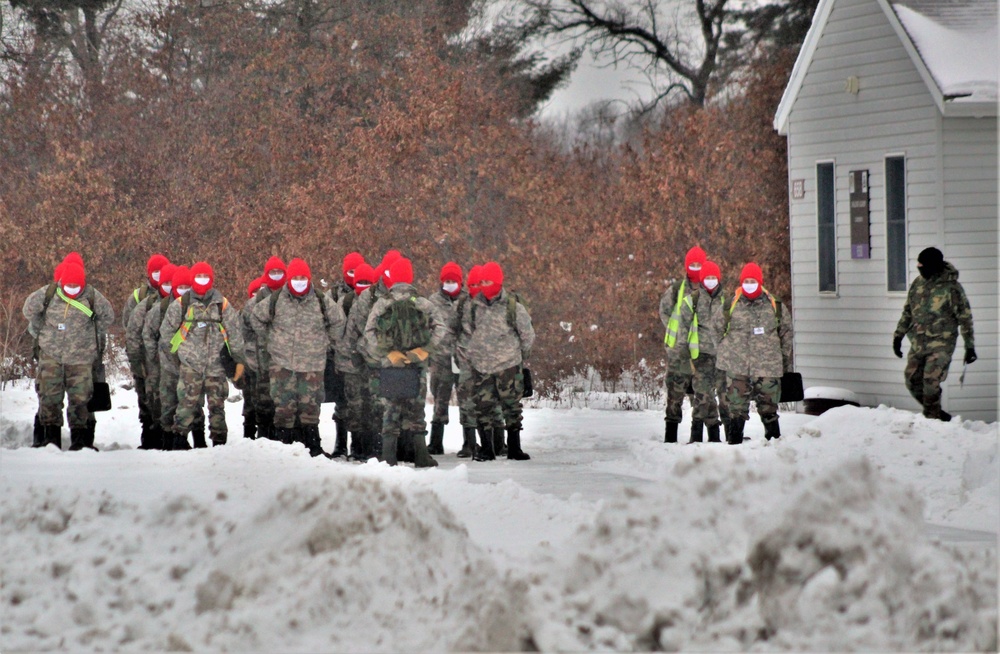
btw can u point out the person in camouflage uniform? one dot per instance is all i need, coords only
(497, 340)
(274, 279)
(705, 380)
(343, 290)
(152, 435)
(248, 384)
(351, 364)
(169, 366)
(936, 310)
(443, 377)
(199, 326)
(298, 327)
(755, 350)
(70, 325)
(678, 312)
(403, 330)
(463, 385)
(136, 357)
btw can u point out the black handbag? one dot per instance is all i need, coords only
(101, 399)
(399, 383)
(529, 389)
(227, 360)
(791, 387)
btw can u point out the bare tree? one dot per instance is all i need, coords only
(675, 40)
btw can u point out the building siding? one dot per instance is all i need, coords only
(845, 339)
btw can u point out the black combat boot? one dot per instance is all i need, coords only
(499, 447)
(181, 441)
(198, 436)
(696, 431)
(514, 451)
(437, 439)
(250, 426)
(359, 446)
(167, 443)
(404, 448)
(219, 438)
(310, 436)
(389, 448)
(734, 431)
(671, 435)
(421, 457)
(77, 438)
(89, 440)
(772, 430)
(53, 435)
(284, 435)
(468, 443)
(485, 451)
(265, 426)
(145, 437)
(713, 434)
(340, 442)
(38, 434)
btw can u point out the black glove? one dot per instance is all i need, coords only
(970, 355)
(897, 346)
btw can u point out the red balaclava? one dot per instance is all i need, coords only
(254, 286)
(451, 279)
(76, 258)
(274, 263)
(57, 273)
(167, 279)
(711, 269)
(475, 279)
(391, 257)
(400, 273)
(72, 279)
(364, 276)
(752, 271)
(298, 268)
(153, 266)
(351, 262)
(693, 263)
(201, 268)
(182, 277)
(492, 272)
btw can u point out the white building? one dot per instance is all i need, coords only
(891, 121)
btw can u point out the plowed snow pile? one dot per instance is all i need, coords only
(340, 564)
(718, 561)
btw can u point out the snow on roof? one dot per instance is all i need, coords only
(957, 41)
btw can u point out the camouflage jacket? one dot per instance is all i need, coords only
(298, 336)
(488, 342)
(447, 313)
(200, 348)
(339, 290)
(151, 336)
(710, 319)
(679, 356)
(354, 333)
(756, 343)
(249, 335)
(377, 348)
(134, 298)
(134, 346)
(65, 333)
(935, 310)
(346, 357)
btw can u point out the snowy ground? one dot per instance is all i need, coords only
(863, 529)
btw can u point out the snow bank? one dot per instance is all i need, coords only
(342, 564)
(700, 563)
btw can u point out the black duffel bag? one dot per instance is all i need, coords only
(791, 387)
(528, 387)
(101, 399)
(399, 383)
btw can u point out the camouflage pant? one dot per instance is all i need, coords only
(443, 380)
(263, 403)
(54, 380)
(359, 401)
(142, 390)
(193, 387)
(466, 399)
(677, 383)
(499, 393)
(154, 406)
(924, 374)
(765, 391)
(403, 415)
(169, 381)
(296, 395)
(705, 409)
(249, 383)
(377, 405)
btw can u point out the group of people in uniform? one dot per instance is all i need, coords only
(371, 341)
